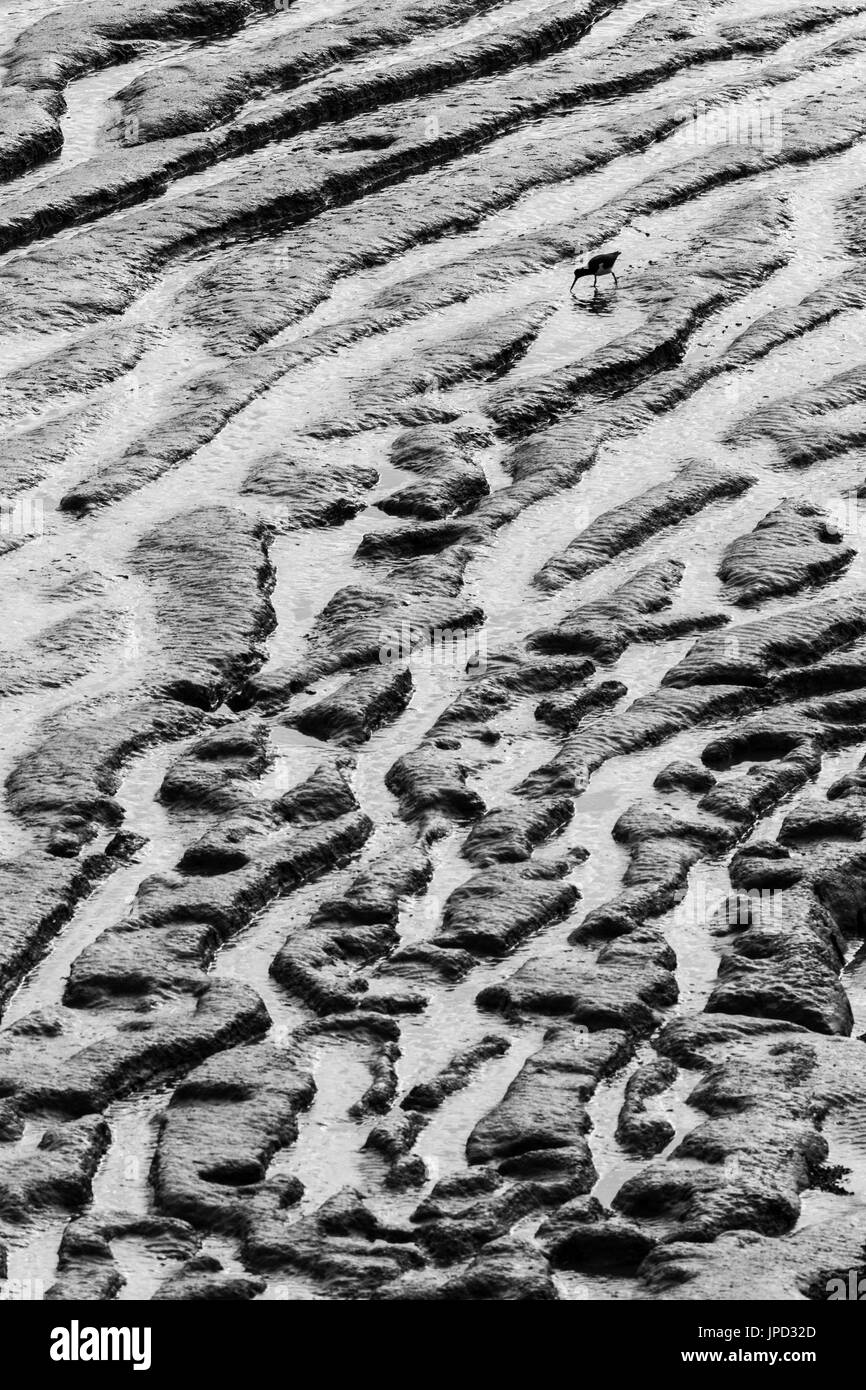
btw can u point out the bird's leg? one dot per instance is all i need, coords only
(615, 281)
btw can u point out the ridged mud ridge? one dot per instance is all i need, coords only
(433, 704)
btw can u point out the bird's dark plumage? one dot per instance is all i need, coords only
(601, 264)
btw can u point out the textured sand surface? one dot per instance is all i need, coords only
(432, 704)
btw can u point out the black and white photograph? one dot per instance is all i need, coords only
(432, 671)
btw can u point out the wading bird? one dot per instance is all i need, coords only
(602, 264)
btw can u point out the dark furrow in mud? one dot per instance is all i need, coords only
(433, 707)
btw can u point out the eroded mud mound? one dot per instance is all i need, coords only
(433, 703)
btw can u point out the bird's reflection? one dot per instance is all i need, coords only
(600, 302)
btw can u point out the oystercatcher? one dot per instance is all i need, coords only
(602, 264)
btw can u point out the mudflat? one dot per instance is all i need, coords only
(433, 684)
